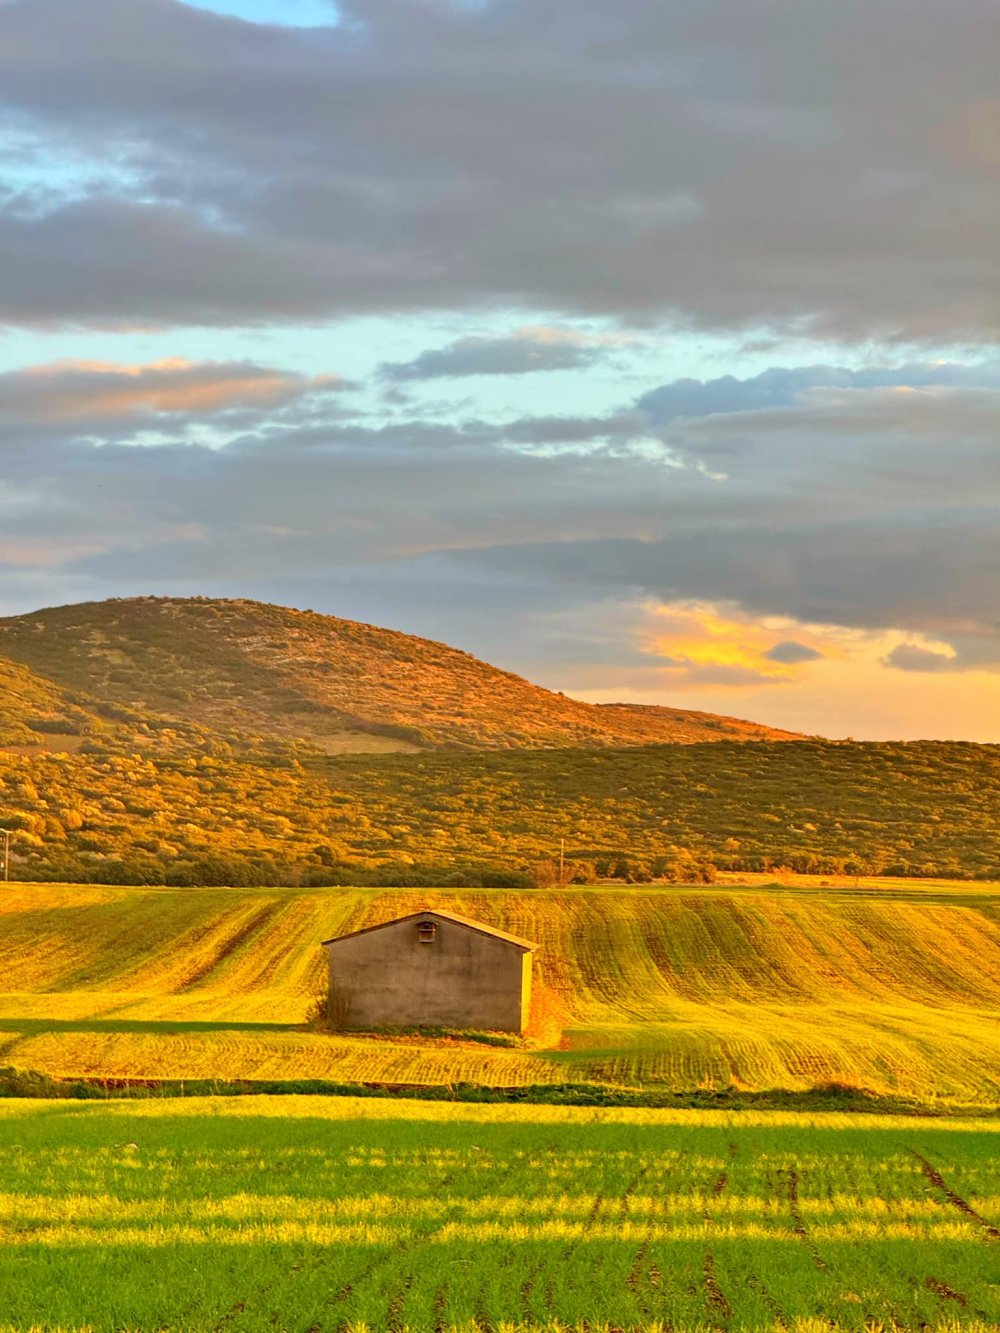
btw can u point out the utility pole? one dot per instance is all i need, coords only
(6, 853)
(562, 861)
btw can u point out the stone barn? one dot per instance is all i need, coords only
(430, 969)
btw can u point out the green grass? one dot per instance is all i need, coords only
(315, 1214)
(893, 989)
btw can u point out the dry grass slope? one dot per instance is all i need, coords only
(896, 990)
(342, 685)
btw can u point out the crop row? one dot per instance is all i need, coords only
(307, 1213)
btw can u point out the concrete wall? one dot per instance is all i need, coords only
(463, 979)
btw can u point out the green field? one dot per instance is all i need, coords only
(335, 1214)
(893, 988)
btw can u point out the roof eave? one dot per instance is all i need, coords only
(526, 946)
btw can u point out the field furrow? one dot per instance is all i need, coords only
(675, 988)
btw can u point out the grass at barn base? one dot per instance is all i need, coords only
(891, 987)
(315, 1214)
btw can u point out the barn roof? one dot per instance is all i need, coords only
(443, 916)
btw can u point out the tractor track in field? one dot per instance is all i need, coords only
(481, 1318)
(773, 1308)
(946, 1293)
(931, 1173)
(397, 1304)
(638, 1271)
(635, 1274)
(526, 1291)
(600, 1204)
(257, 922)
(347, 1289)
(715, 1298)
(790, 1179)
(232, 1313)
(440, 1309)
(644, 1279)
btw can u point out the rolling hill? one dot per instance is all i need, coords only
(153, 740)
(892, 989)
(242, 667)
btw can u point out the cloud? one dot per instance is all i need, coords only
(741, 165)
(790, 653)
(965, 652)
(765, 538)
(574, 430)
(518, 354)
(68, 391)
(911, 657)
(782, 387)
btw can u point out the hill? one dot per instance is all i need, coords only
(895, 990)
(153, 740)
(248, 668)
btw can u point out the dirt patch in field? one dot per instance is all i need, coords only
(945, 1292)
(52, 742)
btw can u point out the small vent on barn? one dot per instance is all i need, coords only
(426, 931)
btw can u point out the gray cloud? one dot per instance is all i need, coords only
(790, 653)
(819, 168)
(782, 387)
(970, 652)
(518, 354)
(574, 430)
(868, 508)
(911, 657)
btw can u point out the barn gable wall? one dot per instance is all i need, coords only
(464, 979)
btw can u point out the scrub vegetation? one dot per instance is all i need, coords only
(893, 989)
(247, 669)
(308, 1213)
(676, 812)
(198, 742)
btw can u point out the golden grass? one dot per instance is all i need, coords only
(672, 987)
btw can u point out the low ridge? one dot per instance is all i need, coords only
(249, 667)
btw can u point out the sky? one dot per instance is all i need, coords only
(649, 351)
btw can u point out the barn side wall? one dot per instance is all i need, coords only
(464, 979)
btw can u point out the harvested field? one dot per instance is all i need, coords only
(895, 989)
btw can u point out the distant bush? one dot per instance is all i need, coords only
(836, 1097)
(675, 813)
